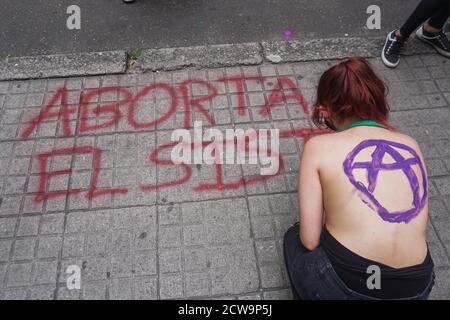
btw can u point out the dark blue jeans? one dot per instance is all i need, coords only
(313, 277)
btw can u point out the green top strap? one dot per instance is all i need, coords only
(364, 123)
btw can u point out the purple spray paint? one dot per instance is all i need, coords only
(376, 165)
(287, 33)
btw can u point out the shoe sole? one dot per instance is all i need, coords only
(420, 36)
(385, 61)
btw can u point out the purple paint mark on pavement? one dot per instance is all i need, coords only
(374, 167)
(287, 33)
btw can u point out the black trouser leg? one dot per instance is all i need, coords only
(437, 10)
(439, 19)
(292, 248)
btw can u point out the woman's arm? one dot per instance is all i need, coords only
(310, 196)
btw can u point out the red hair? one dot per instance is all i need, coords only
(352, 90)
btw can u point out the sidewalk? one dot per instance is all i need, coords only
(142, 228)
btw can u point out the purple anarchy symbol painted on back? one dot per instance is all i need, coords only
(374, 167)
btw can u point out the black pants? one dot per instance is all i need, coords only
(312, 276)
(437, 11)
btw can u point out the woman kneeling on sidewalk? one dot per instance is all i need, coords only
(363, 199)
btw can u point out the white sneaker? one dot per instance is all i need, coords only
(438, 41)
(391, 50)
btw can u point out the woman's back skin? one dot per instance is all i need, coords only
(355, 223)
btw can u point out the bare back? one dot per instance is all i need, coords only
(374, 193)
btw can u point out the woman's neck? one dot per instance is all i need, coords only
(343, 125)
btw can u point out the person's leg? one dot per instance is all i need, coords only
(310, 272)
(395, 39)
(437, 22)
(425, 10)
(432, 31)
(292, 248)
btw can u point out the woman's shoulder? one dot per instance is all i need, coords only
(318, 142)
(402, 138)
(333, 141)
(321, 138)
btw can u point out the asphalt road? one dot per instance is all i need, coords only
(30, 27)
